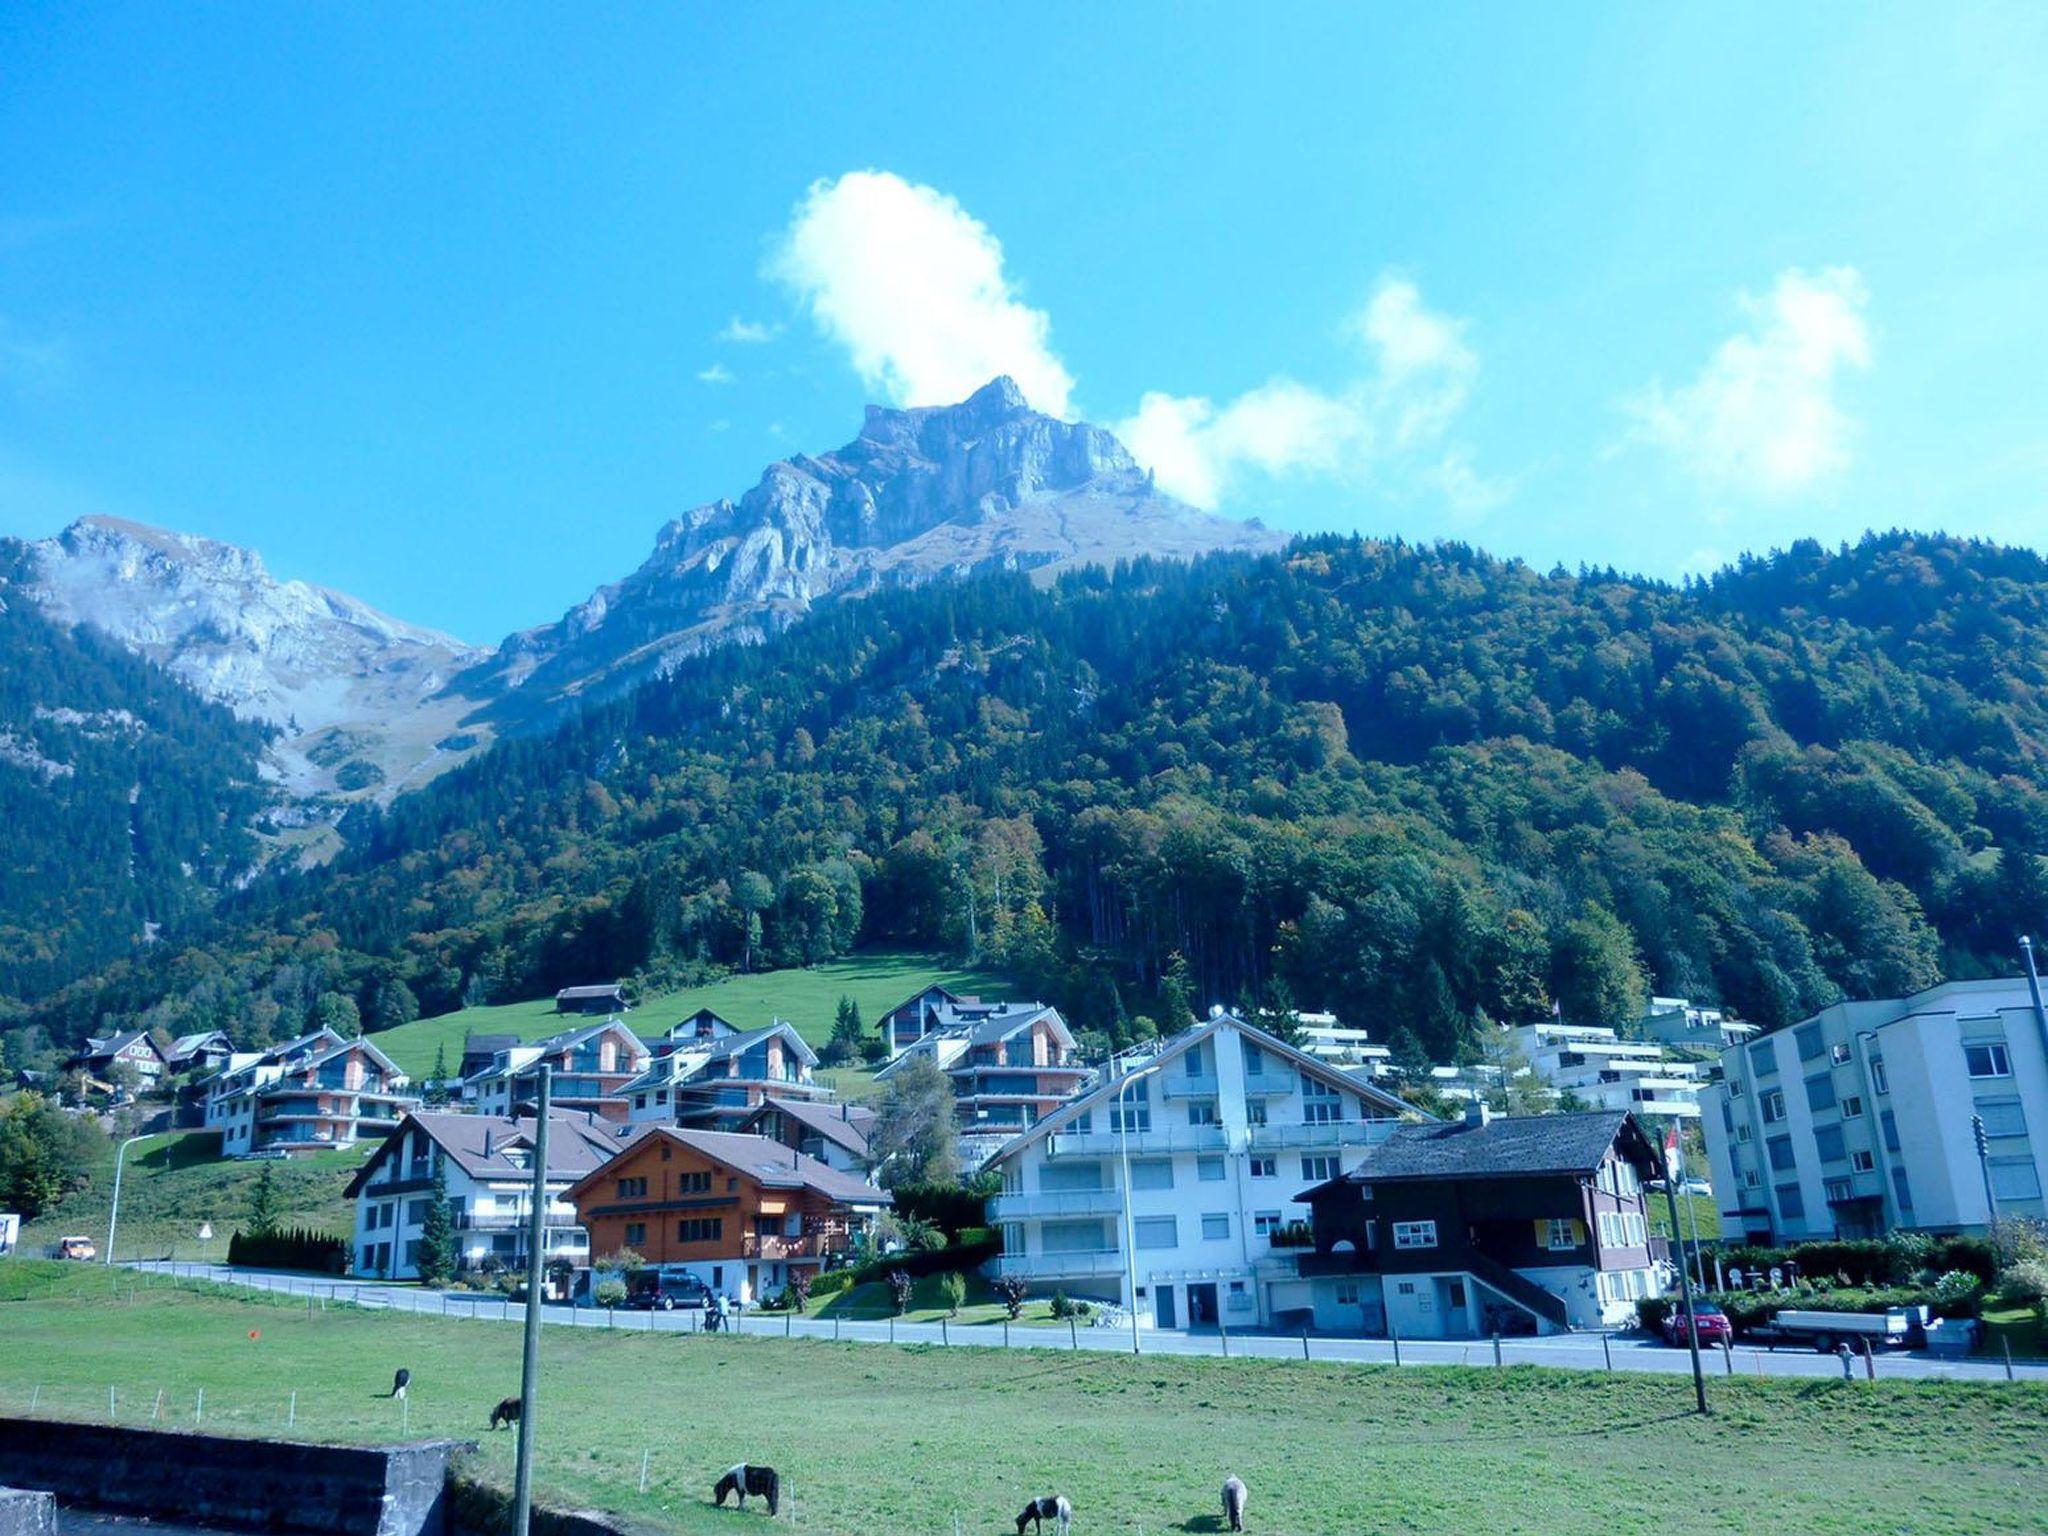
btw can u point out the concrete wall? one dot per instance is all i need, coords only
(27, 1513)
(270, 1485)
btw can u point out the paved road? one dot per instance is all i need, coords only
(1620, 1352)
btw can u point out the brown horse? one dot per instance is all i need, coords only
(507, 1413)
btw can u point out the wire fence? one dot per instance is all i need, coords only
(1580, 1351)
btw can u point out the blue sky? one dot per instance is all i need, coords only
(436, 304)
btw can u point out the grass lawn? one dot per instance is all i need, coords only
(1136, 1443)
(979, 1310)
(172, 1184)
(2019, 1328)
(1691, 1208)
(807, 998)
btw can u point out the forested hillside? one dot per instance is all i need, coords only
(1417, 786)
(124, 797)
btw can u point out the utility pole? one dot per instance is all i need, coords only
(1983, 1142)
(1692, 1322)
(536, 1271)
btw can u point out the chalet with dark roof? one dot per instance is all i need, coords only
(708, 1076)
(835, 1134)
(1484, 1225)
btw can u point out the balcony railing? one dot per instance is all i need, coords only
(811, 1245)
(1055, 1203)
(1327, 1133)
(495, 1222)
(1160, 1138)
(1268, 1083)
(1052, 1266)
(1185, 1085)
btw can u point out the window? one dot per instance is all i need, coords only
(1157, 1232)
(1852, 1107)
(1201, 1112)
(2002, 1117)
(1763, 1060)
(1254, 1060)
(1197, 1060)
(1265, 1168)
(633, 1189)
(1734, 1087)
(1827, 1141)
(1319, 1170)
(1414, 1234)
(2015, 1178)
(1152, 1173)
(1987, 1059)
(700, 1229)
(1635, 1229)
(1750, 1179)
(1742, 1133)
(1215, 1226)
(1820, 1092)
(1782, 1159)
(1861, 1161)
(1320, 1104)
(1560, 1234)
(1791, 1203)
(1265, 1223)
(417, 1211)
(639, 1101)
(1878, 1080)
(1902, 1189)
(1209, 1170)
(1810, 1042)
(1839, 1055)
(698, 1183)
(1837, 1190)
(1889, 1124)
(1255, 1112)
(1774, 1105)
(1131, 1110)
(1347, 1293)
(636, 1234)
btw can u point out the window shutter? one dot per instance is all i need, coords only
(1542, 1232)
(1578, 1231)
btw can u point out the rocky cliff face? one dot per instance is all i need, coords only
(919, 495)
(357, 696)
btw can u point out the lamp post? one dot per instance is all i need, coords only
(1692, 1321)
(1123, 1141)
(536, 1267)
(114, 1210)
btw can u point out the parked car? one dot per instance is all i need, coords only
(658, 1290)
(1710, 1323)
(79, 1248)
(1695, 1186)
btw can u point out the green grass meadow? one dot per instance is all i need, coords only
(1138, 1444)
(807, 998)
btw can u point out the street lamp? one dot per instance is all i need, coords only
(114, 1210)
(1123, 1141)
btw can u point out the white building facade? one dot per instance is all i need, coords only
(1224, 1127)
(1607, 1072)
(1858, 1121)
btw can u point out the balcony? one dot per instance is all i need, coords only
(1160, 1138)
(771, 1246)
(1061, 1266)
(1054, 1204)
(1310, 1265)
(1182, 1085)
(510, 1223)
(1268, 1083)
(1328, 1133)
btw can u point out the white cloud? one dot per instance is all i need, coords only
(1761, 418)
(1391, 421)
(717, 373)
(913, 286)
(749, 332)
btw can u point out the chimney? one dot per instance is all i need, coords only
(487, 1143)
(1477, 1114)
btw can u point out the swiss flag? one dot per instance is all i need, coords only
(1674, 1161)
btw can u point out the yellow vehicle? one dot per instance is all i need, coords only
(80, 1248)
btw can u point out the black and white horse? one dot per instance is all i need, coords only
(743, 1480)
(1053, 1507)
(1233, 1501)
(400, 1382)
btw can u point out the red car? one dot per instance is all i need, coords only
(1712, 1326)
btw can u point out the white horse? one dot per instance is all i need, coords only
(1233, 1501)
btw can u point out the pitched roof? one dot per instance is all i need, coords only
(611, 989)
(577, 1144)
(186, 1045)
(113, 1045)
(1514, 1146)
(491, 1042)
(1105, 1091)
(767, 1162)
(847, 1125)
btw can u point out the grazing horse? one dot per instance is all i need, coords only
(1053, 1507)
(506, 1414)
(744, 1480)
(400, 1382)
(1233, 1501)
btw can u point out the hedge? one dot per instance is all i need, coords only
(952, 1208)
(1749, 1310)
(1886, 1261)
(290, 1248)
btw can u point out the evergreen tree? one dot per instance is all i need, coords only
(848, 1032)
(438, 1255)
(437, 1094)
(263, 1211)
(1177, 995)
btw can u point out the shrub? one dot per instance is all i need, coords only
(1010, 1291)
(1061, 1307)
(290, 1248)
(609, 1292)
(832, 1283)
(952, 1289)
(798, 1295)
(1652, 1311)
(900, 1287)
(2024, 1284)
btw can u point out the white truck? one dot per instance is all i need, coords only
(1893, 1328)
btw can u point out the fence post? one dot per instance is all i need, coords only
(1006, 1345)
(2007, 1342)
(1496, 1350)
(1607, 1351)
(1304, 1343)
(944, 1337)
(787, 1323)
(1073, 1337)
(1223, 1333)
(199, 1408)
(110, 1402)
(1728, 1356)
(34, 1397)
(643, 1471)
(159, 1408)
(892, 1330)
(1869, 1362)
(291, 1414)
(1394, 1330)
(835, 1327)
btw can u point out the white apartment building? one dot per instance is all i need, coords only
(1225, 1126)
(1858, 1120)
(488, 1160)
(313, 1092)
(1608, 1072)
(1327, 1040)
(1684, 1025)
